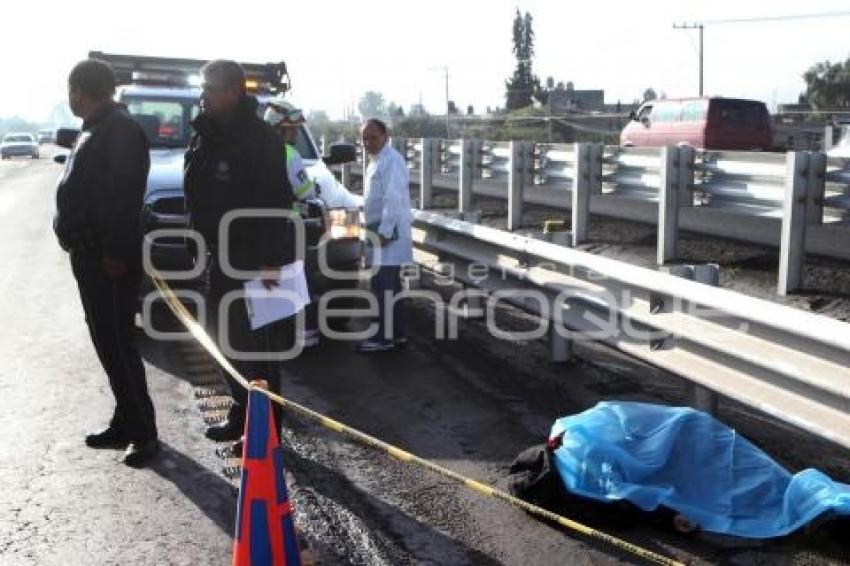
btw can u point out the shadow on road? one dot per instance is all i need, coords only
(208, 491)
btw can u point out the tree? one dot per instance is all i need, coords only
(828, 85)
(523, 85)
(420, 126)
(649, 94)
(395, 111)
(372, 105)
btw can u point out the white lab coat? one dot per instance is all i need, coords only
(387, 190)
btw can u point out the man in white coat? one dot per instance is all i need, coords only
(388, 219)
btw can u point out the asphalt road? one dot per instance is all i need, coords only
(61, 503)
(470, 404)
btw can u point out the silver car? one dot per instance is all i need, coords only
(17, 144)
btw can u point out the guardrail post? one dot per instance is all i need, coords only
(517, 165)
(708, 274)
(560, 346)
(792, 245)
(469, 154)
(474, 307)
(703, 398)
(815, 188)
(685, 179)
(586, 181)
(828, 137)
(426, 174)
(669, 194)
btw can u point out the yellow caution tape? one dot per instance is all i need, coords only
(200, 334)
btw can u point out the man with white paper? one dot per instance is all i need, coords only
(234, 164)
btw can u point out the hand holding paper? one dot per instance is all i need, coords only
(270, 300)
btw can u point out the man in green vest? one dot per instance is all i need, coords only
(287, 119)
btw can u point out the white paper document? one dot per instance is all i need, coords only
(286, 300)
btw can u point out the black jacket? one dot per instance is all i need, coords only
(236, 166)
(99, 198)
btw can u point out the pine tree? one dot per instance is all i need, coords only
(523, 84)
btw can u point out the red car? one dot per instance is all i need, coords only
(704, 123)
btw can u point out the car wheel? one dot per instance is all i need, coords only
(35, 156)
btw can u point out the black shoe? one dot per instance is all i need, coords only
(231, 428)
(138, 454)
(108, 438)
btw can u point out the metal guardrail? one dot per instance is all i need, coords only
(797, 201)
(792, 365)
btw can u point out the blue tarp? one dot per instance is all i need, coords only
(687, 461)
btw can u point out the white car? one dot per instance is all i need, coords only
(17, 144)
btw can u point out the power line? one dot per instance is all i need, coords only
(779, 18)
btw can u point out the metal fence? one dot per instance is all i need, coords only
(799, 201)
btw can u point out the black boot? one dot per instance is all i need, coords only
(230, 429)
(140, 453)
(111, 437)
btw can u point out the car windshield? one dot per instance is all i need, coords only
(165, 121)
(18, 138)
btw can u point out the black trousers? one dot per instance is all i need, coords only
(234, 326)
(110, 306)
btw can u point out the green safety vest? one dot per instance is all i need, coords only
(307, 183)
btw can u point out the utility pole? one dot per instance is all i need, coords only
(781, 18)
(701, 27)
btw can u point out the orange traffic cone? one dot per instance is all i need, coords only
(265, 530)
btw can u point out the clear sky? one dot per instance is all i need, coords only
(337, 50)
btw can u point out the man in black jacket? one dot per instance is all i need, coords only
(98, 203)
(235, 162)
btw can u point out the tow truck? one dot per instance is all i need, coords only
(163, 96)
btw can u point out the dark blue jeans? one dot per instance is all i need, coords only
(388, 281)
